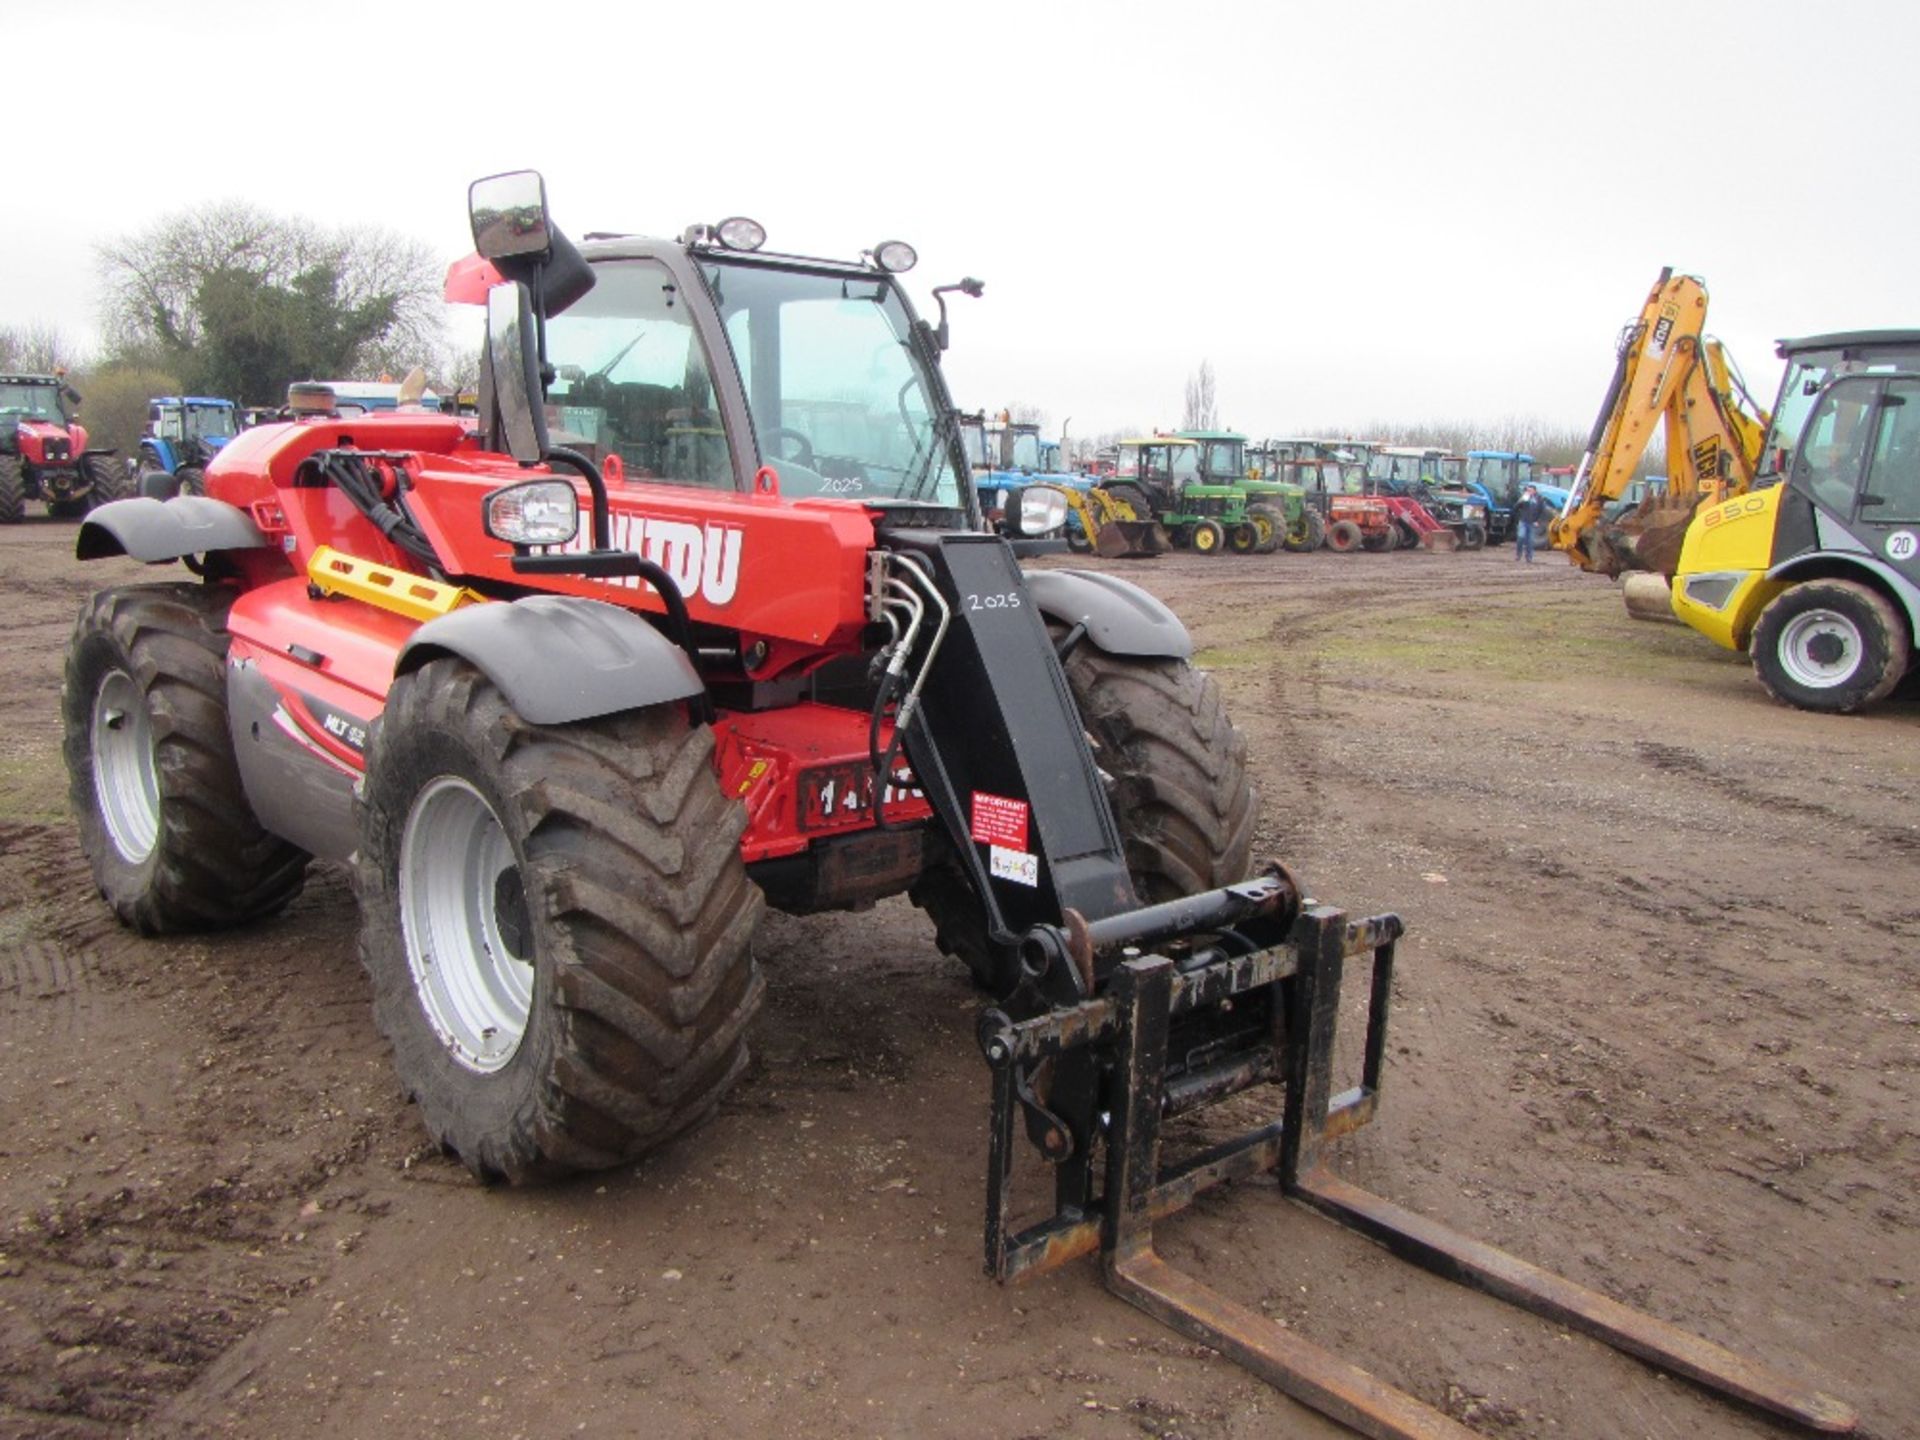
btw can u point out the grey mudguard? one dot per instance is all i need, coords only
(558, 659)
(1121, 618)
(159, 530)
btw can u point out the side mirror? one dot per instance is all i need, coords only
(513, 356)
(509, 214)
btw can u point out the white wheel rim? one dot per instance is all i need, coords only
(126, 781)
(476, 992)
(1821, 649)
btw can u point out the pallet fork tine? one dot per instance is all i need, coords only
(1145, 995)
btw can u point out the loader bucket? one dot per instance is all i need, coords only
(1441, 539)
(1648, 597)
(1130, 539)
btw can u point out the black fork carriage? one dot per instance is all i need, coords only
(1160, 1041)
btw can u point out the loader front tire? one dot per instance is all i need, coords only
(557, 924)
(164, 820)
(1830, 645)
(1178, 787)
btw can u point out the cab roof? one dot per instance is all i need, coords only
(1847, 339)
(1162, 440)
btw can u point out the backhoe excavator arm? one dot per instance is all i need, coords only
(1669, 373)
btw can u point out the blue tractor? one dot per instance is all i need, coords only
(183, 434)
(1499, 476)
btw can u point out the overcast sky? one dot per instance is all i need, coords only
(1358, 210)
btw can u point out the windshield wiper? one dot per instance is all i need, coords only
(619, 355)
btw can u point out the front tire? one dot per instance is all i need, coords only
(105, 481)
(1830, 645)
(1178, 787)
(1473, 536)
(1344, 536)
(164, 819)
(557, 923)
(13, 490)
(1209, 537)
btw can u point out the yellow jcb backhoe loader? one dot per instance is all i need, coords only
(1669, 373)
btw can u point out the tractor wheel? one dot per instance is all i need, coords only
(1382, 540)
(1344, 536)
(1078, 540)
(164, 819)
(557, 924)
(1473, 536)
(1271, 525)
(13, 491)
(1830, 645)
(1209, 537)
(1316, 530)
(1409, 537)
(189, 480)
(1177, 782)
(1244, 538)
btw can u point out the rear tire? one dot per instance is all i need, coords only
(1179, 792)
(106, 481)
(1381, 541)
(557, 923)
(1830, 645)
(1345, 536)
(163, 817)
(1472, 536)
(13, 490)
(189, 480)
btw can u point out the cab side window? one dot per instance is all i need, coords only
(1892, 490)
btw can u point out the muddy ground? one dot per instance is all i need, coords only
(1656, 1027)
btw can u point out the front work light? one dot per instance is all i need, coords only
(895, 256)
(739, 233)
(540, 512)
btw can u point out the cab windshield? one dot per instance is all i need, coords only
(31, 402)
(1026, 450)
(1808, 373)
(1225, 462)
(841, 403)
(208, 422)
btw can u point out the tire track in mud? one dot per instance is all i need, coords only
(155, 1212)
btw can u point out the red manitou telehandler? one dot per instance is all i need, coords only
(701, 616)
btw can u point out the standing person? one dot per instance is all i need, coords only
(1527, 512)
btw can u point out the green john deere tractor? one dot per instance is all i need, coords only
(1163, 476)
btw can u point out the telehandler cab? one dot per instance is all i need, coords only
(571, 733)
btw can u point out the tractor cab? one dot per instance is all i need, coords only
(1020, 494)
(35, 399)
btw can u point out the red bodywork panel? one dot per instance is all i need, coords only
(35, 435)
(791, 573)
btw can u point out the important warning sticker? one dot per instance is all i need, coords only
(1015, 865)
(996, 820)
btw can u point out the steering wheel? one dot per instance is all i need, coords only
(805, 457)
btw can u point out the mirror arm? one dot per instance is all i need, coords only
(574, 460)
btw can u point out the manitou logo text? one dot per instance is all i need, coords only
(703, 560)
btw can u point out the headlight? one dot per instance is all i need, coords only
(540, 512)
(1042, 508)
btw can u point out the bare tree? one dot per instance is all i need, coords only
(1202, 410)
(37, 348)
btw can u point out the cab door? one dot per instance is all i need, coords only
(1887, 507)
(1859, 461)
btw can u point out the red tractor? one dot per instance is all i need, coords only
(44, 454)
(702, 616)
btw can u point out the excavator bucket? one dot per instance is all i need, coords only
(1646, 538)
(1130, 539)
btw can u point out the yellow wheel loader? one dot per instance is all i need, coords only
(1815, 573)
